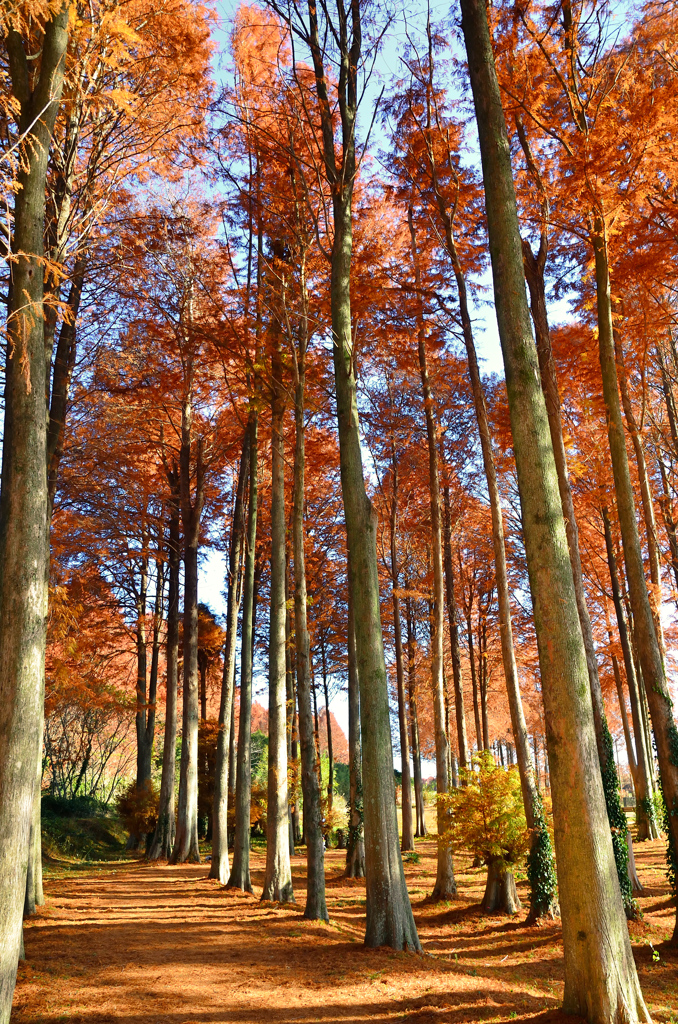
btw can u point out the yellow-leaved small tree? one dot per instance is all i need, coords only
(487, 819)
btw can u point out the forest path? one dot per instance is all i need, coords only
(139, 944)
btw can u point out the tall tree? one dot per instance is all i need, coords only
(601, 980)
(34, 39)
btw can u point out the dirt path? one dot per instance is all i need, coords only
(164, 945)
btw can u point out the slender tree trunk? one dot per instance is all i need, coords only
(24, 498)
(355, 847)
(186, 842)
(600, 975)
(407, 839)
(474, 676)
(219, 867)
(278, 876)
(163, 840)
(414, 719)
(645, 493)
(328, 723)
(460, 714)
(649, 652)
(239, 877)
(445, 885)
(534, 271)
(316, 907)
(669, 522)
(645, 821)
(143, 755)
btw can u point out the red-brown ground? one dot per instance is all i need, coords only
(133, 944)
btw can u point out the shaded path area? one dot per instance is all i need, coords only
(135, 944)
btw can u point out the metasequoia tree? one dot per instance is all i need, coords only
(389, 916)
(427, 141)
(34, 40)
(589, 79)
(600, 976)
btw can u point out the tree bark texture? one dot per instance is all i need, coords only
(414, 719)
(600, 975)
(219, 866)
(239, 877)
(278, 875)
(460, 713)
(355, 847)
(647, 641)
(645, 820)
(534, 273)
(24, 497)
(445, 885)
(165, 830)
(186, 842)
(316, 907)
(407, 838)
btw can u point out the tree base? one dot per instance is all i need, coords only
(501, 896)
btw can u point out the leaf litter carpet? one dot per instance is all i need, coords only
(136, 944)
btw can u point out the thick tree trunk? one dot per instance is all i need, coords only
(501, 895)
(649, 652)
(239, 877)
(600, 975)
(460, 714)
(24, 498)
(278, 876)
(163, 840)
(645, 819)
(445, 885)
(414, 719)
(219, 867)
(186, 842)
(355, 846)
(316, 907)
(407, 839)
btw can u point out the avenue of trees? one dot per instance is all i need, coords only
(245, 298)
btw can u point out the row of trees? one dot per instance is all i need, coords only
(201, 345)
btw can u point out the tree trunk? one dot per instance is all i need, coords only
(355, 846)
(649, 652)
(645, 494)
(445, 885)
(328, 724)
(316, 907)
(645, 820)
(24, 498)
(278, 876)
(474, 677)
(501, 895)
(407, 839)
(163, 840)
(462, 741)
(669, 522)
(239, 877)
(534, 268)
(414, 719)
(219, 867)
(600, 975)
(143, 754)
(186, 842)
